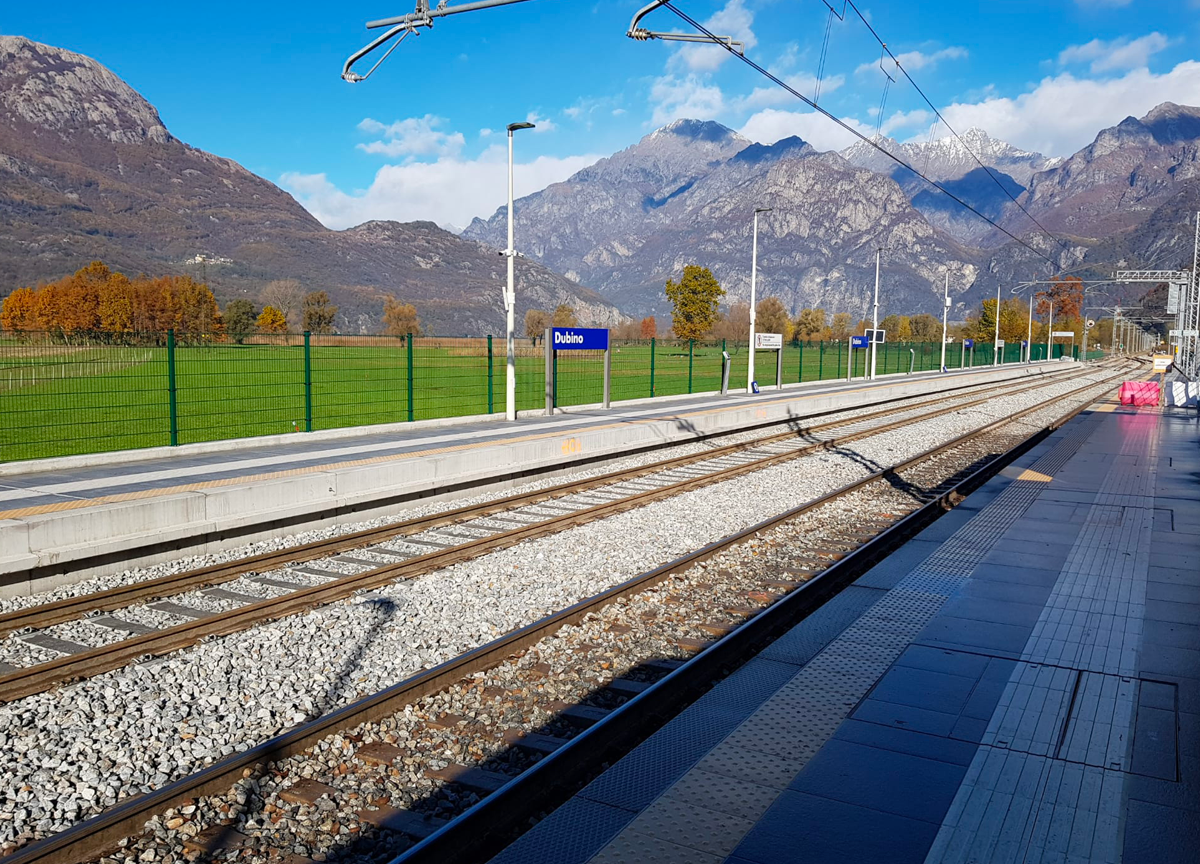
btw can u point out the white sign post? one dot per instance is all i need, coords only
(772, 342)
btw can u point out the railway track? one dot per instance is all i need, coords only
(512, 724)
(165, 615)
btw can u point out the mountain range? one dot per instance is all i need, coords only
(89, 171)
(686, 193)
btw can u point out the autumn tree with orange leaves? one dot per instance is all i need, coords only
(1066, 292)
(95, 301)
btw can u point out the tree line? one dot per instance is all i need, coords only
(97, 301)
(697, 314)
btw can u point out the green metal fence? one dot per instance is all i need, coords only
(86, 395)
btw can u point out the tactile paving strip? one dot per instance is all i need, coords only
(844, 648)
(1026, 796)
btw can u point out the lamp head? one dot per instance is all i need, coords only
(513, 127)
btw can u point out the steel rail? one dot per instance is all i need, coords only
(73, 608)
(30, 680)
(487, 827)
(537, 788)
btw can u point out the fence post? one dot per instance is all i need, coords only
(490, 404)
(800, 366)
(652, 340)
(408, 342)
(691, 354)
(821, 360)
(171, 388)
(307, 384)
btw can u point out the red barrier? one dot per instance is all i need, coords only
(1139, 393)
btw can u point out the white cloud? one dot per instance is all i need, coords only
(485, 133)
(1063, 113)
(914, 60)
(1123, 53)
(449, 190)
(770, 125)
(905, 120)
(692, 96)
(733, 20)
(542, 124)
(586, 108)
(415, 136)
(772, 94)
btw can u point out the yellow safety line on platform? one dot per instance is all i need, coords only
(80, 503)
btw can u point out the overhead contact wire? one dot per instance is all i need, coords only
(939, 116)
(776, 80)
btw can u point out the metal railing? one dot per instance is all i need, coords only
(79, 394)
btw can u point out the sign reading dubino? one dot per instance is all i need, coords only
(579, 339)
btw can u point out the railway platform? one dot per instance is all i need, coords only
(64, 519)
(1018, 683)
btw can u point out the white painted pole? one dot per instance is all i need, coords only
(945, 313)
(1029, 333)
(875, 316)
(510, 303)
(753, 300)
(1050, 333)
(996, 338)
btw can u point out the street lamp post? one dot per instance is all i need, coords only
(1029, 332)
(875, 316)
(510, 294)
(945, 312)
(996, 338)
(1050, 333)
(753, 291)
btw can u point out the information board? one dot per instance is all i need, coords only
(859, 342)
(879, 337)
(768, 341)
(1066, 334)
(1162, 362)
(579, 339)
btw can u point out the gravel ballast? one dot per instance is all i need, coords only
(75, 752)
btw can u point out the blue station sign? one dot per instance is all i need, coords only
(968, 343)
(859, 341)
(579, 339)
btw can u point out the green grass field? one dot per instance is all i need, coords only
(71, 399)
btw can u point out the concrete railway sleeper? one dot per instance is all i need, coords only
(520, 747)
(354, 563)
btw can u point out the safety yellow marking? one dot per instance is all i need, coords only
(80, 503)
(1014, 473)
(1030, 474)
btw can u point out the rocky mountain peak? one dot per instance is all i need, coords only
(698, 130)
(1170, 123)
(60, 91)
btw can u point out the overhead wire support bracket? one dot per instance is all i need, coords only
(641, 34)
(402, 25)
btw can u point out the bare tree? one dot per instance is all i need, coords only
(286, 295)
(536, 322)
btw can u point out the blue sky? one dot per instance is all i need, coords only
(259, 83)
